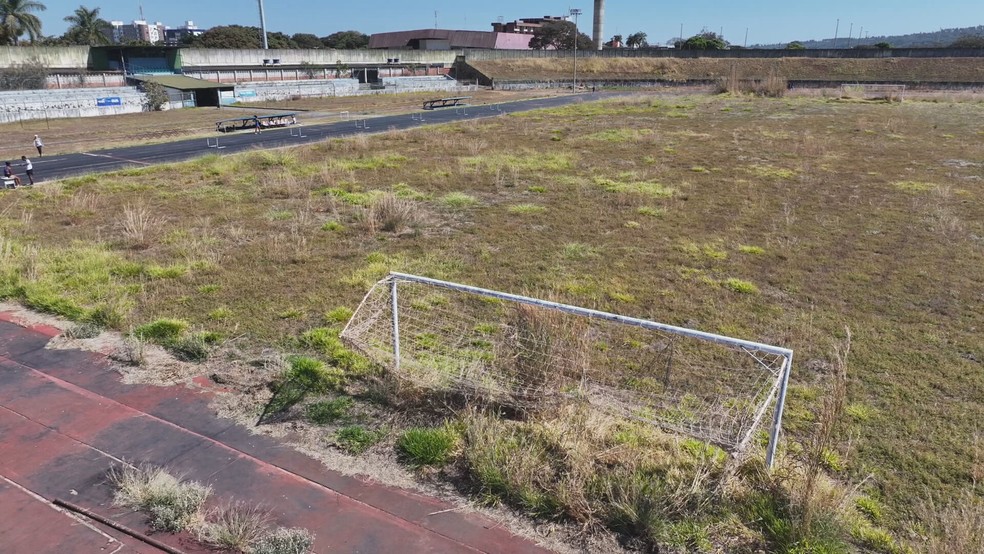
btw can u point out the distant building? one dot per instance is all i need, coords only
(527, 25)
(174, 37)
(446, 39)
(139, 30)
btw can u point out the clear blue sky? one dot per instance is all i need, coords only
(767, 21)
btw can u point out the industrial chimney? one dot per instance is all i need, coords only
(599, 23)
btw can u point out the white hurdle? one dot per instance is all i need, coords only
(209, 144)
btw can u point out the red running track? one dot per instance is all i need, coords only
(66, 419)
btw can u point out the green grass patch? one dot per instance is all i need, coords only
(753, 250)
(325, 412)
(540, 162)
(526, 209)
(914, 186)
(162, 330)
(427, 446)
(458, 200)
(369, 163)
(356, 439)
(332, 226)
(644, 188)
(740, 286)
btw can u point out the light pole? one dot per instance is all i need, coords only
(575, 12)
(263, 27)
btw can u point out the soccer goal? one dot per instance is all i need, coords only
(874, 91)
(525, 352)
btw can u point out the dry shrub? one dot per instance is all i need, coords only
(391, 214)
(237, 525)
(952, 527)
(172, 505)
(806, 495)
(545, 352)
(138, 224)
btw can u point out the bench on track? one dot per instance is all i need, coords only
(445, 102)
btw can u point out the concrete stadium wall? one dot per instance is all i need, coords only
(53, 57)
(23, 105)
(266, 91)
(85, 80)
(191, 58)
(844, 53)
(280, 74)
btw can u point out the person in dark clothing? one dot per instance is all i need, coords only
(8, 172)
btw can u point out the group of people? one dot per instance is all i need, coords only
(8, 169)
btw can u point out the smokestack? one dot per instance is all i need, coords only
(599, 24)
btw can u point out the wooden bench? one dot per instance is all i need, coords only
(445, 102)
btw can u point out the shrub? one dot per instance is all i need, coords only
(171, 504)
(83, 331)
(234, 526)
(284, 541)
(391, 214)
(332, 226)
(312, 374)
(357, 439)
(328, 411)
(156, 96)
(427, 447)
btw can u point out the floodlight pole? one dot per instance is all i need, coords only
(263, 27)
(575, 12)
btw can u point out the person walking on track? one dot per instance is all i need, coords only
(39, 145)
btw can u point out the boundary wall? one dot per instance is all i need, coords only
(21, 105)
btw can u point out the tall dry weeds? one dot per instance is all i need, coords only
(391, 214)
(822, 442)
(138, 224)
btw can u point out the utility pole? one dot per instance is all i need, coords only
(263, 27)
(745, 45)
(836, 29)
(575, 12)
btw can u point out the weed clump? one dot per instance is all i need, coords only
(284, 541)
(356, 439)
(427, 447)
(172, 505)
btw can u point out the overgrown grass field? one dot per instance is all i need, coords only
(778, 220)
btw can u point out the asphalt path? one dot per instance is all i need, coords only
(57, 166)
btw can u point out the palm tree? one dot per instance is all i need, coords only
(16, 19)
(87, 27)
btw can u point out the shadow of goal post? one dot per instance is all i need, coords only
(358, 327)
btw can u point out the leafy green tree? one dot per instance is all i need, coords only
(229, 36)
(704, 41)
(559, 35)
(156, 96)
(278, 40)
(306, 40)
(637, 40)
(883, 45)
(795, 45)
(346, 40)
(32, 75)
(968, 41)
(86, 27)
(17, 18)
(616, 42)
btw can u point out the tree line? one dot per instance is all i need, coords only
(19, 23)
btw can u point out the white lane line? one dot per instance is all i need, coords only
(115, 158)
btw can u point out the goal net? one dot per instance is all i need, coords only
(520, 351)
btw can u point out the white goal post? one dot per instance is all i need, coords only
(890, 92)
(526, 352)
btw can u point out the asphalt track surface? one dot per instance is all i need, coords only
(58, 166)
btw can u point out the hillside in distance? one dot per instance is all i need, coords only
(943, 37)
